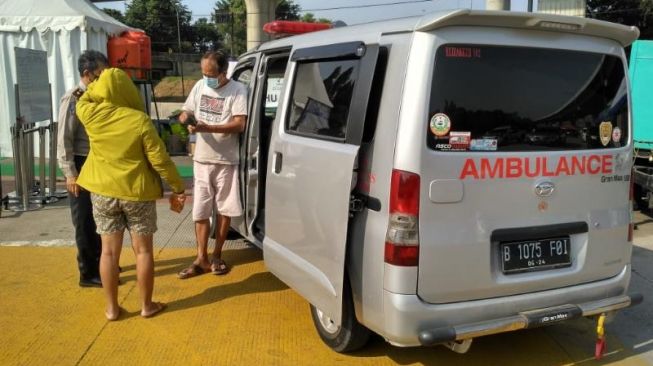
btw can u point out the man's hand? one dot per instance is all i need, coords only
(177, 201)
(199, 127)
(235, 125)
(183, 117)
(71, 185)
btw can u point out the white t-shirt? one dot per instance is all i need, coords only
(216, 107)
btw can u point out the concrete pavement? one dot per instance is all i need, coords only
(247, 317)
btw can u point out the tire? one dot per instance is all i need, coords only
(350, 336)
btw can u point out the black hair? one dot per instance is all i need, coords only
(219, 58)
(90, 60)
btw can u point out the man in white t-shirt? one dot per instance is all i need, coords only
(216, 110)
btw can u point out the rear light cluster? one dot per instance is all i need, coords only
(402, 237)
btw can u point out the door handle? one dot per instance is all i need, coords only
(277, 162)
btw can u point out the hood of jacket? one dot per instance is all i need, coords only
(127, 157)
(115, 87)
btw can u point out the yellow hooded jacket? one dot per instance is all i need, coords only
(127, 156)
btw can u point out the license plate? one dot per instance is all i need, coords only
(535, 255)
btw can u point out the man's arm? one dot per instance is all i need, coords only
(65, 141)
(237, 122)
(189, 104)
(235, 125)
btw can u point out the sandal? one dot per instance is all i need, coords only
(192, 271)
(219, 267)
(159, 308)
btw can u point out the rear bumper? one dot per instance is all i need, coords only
(528, 319)
(409, 321)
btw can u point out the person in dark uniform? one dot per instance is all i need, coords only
(72, 150)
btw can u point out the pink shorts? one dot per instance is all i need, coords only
(215, 185)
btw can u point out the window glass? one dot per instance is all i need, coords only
(492, 98)
(243, 75)
(321, 98)
(274, 81)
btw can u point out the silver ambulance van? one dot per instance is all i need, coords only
(439, 178)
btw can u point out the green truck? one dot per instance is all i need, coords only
(641, 78)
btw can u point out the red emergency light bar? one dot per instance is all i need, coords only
(283, 27)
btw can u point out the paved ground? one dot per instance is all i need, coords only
(245, 318)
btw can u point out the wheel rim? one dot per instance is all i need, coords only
(326, 322)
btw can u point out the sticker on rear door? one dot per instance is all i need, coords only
(459, 140)
(486, 144)
(440, 124)
(616, 135)
(605, 132)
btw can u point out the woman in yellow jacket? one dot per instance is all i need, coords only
(122, 172)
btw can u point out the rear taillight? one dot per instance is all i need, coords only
(402, 237)
(631, 198)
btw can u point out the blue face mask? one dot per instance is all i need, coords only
(211, 82)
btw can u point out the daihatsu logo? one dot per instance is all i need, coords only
(544, 189)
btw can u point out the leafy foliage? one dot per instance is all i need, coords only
(310, 18)
(288, 10)
(207, 36)
(158, 18)
(231, 19)
(227, 28)
(115, 14)
(627, 12)
(230, 16)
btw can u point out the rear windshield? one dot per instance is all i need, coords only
(492, 98)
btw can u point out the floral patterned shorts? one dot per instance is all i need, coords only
(113, 214)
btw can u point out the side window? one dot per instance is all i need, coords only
(321, 98)
(244, 75)
(243, 72)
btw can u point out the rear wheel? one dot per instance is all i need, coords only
(350, 335)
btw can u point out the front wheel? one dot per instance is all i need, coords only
(350, 335)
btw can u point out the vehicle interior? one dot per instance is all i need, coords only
(267, 110)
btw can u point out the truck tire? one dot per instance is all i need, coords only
(350, 336)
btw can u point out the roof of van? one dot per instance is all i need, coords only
(370, 32)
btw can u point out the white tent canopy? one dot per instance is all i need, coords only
(62, 28)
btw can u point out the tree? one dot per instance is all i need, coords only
(158, 18)
(231, 19)
(627, 12)
(288, 10)
(207, 36)
(310, 18)
(115, 14)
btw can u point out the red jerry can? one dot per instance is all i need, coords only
(145, 47)
(124, 53)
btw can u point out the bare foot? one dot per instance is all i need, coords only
(112, 315)
(154, 309)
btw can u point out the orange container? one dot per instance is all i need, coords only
(145, 47)
(125, 53)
